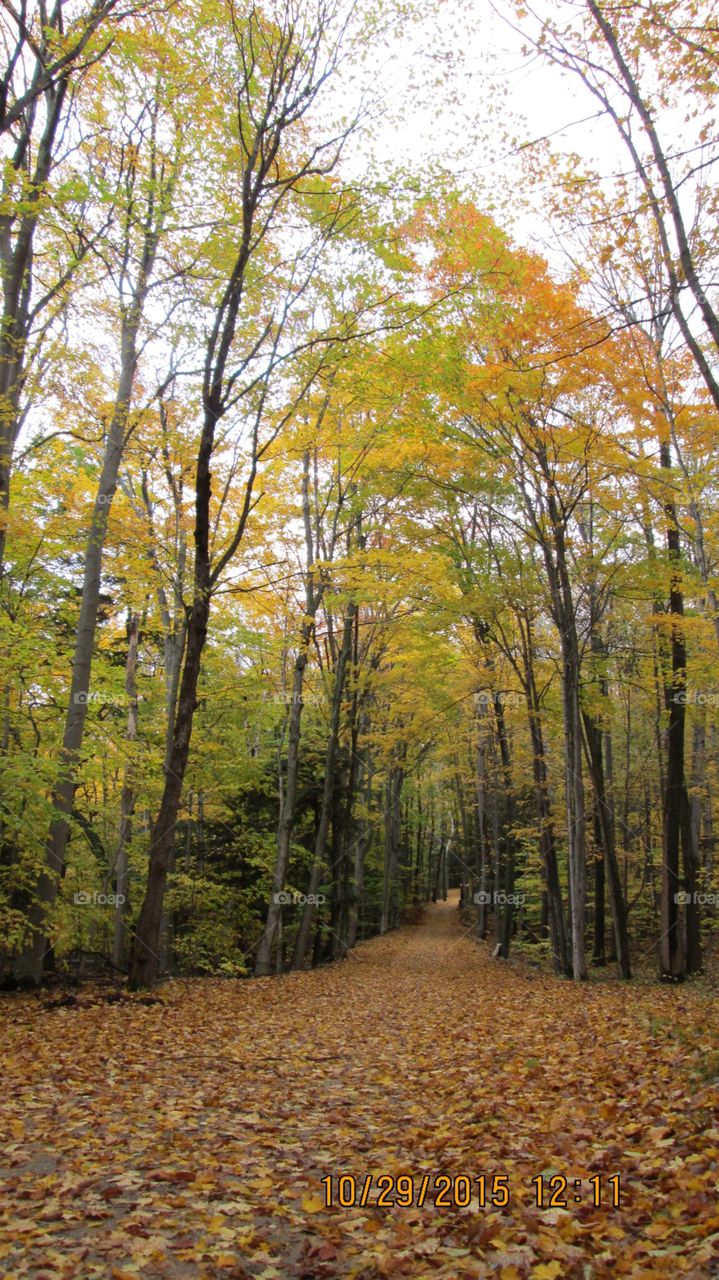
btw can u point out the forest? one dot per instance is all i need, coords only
(359, 576)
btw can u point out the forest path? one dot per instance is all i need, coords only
(189, 1137)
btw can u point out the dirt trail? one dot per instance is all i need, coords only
(190, 1137)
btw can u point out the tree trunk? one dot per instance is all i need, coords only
(361, 845)
(127, 804)
(482, 840)
(680, 949)
(555, 907)
(16, 269)
(388, 918)
(145, 961)
(556, 561)
(598, 951)
(575, 814)
(30, 962)
(504, 931)
(309, 911)
(345, 878)
(288, 802)
(606, 831)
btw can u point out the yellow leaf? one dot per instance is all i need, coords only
(313, 1204)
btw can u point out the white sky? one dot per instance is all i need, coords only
(461, 96)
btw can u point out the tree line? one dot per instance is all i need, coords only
(350, 549)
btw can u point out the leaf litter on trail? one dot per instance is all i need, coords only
(190, 1137)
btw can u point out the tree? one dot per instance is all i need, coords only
(649, 66)
(48, 52)
(147, 171)
(283, 68)
(46, 47)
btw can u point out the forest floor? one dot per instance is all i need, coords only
(189, 1137)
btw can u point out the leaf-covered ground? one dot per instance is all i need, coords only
(190, 1137)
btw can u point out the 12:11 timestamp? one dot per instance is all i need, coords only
(558, 1192)
(462, 1191)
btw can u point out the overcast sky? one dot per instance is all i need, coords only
(460, 94)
